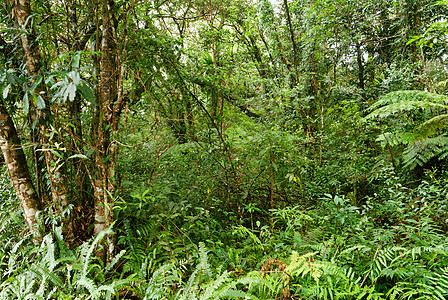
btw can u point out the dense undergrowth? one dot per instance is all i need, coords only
(247, 150)
(391, 246)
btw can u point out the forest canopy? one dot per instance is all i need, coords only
(210, 149)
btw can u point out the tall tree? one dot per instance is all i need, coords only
(56, 96)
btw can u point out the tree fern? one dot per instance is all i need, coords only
(396, 102)
(426, 140)
(421, 152)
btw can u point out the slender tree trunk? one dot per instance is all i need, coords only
(55, 167)
(360, 66)
(109, 108)
(39, 159)
(312, 85)
(18, 171)
(293, 41)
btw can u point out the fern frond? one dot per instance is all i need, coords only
(301, 265)
(87, 283)
(214, 285)
(115, 260)
(103, 289)
(432, 126)
(87, 252)
(419, 153)
(393, 139)
(159, 281)
(204, 266)
(406, 100)
(423, 145)
(43, 273)
(356, 248)
(244, 231)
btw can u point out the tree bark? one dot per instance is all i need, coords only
(293, 41)
(109, 109)
(18, 171)
(58, 179)
(360, 66)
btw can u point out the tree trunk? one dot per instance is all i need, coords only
(294, 44)
(360, 66)
(58, 179)
(18, 171)
(109, 108)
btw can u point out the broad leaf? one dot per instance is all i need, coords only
(6, 91)
(40, 102)
(71, 91)
(25, 103)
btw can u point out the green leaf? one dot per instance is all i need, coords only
(36, 83)
(11, 77)
(74, 75)
(87, 92)
(57, 84)
(40, 102)
(6, 91)
(78, 156)
(57, 154)
(413, 39)
(71, 91)
(90, 152)
(25, 104)
(76, 59)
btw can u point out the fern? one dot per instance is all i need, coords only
(420, 152)
(212, 287)
(329, 281)
(52, 275)
(158, 285)
(304, 265)
(426, 140)
(406, 100)
(204, 266)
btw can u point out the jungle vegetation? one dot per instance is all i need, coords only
(211, 149)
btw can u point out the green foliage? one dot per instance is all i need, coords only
(51, 270)
(425, 136)
(248, 168)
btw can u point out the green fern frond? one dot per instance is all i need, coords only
(87, 283)
(244, 231)
(406, 100)
(203, 266)
(160, 281)
(210, 290)
(301, 265)
(422, 143)
(265, 286)
(356, 248)
(108, 290)
(419, 153)
(87, 252)
(432, 126)
(43, 273)
(409, 290)
(64, 250)
(115, 260)
(190, 287)
(48, 246)
(393, 139)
